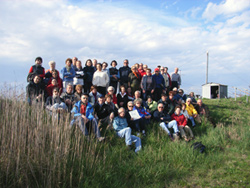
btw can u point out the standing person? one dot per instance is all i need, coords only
(176, 78)
(122, 130)
(147, 85)
(100, 79)
(104, 67)
(159, 84)
(114, 75)
(88, 71)
(48, 73)
(78, 79)
(94, 63)
(83, 117)
(74, 60)
(124, 72)
(169, 80)
(165, 76)
(134, 80)
(141, 71)
(68, 73)
(36, 69)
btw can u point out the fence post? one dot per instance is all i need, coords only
(235, 96)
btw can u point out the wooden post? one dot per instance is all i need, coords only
(235, 93)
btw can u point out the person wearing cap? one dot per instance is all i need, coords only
(176, 78)
(114, 75)
(83, 117)
(147, 84)
(100, 79)
(120, 125)
(36, 69)
(48, 72)
(124, 72)
(159, 84)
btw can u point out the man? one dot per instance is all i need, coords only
(83, 117)
(94, 63)
(159, 84)
(68, 97)
(103, 112)
(147, 85)
(165, 121)
(176, 78)
(192, 111)
(74, 60)
(165, 76)
(164, 101)
(35, 90)
(169, 80)
(122, 130)
(36, 69)
(141, 70)
(124, 72)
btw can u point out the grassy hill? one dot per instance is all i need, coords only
(38, 152)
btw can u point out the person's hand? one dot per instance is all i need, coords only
(152, 91)
(161, 118)
(112, 115)
(143, 91)
(181, 126)
(195, 115)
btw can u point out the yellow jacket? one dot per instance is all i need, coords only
(190, 109)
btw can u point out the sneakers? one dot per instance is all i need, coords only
(143, 133)
(100, 139)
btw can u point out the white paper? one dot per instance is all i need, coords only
(134, 114)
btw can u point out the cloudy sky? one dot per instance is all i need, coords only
(173, 33)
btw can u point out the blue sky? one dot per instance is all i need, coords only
(173, 33)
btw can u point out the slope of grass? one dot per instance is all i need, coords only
(36, 151)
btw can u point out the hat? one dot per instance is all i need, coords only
(157, 69)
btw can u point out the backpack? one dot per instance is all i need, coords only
(198, 146)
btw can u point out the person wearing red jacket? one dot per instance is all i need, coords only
(36, 69)
(56, 76)
(182, 124)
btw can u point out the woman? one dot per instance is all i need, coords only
(122, 98)
(114, 75)
(94, 95)
(88, 71)
(48, 73)
(111, 91)
(68, 73)
(147, 85)
(78, 92)
(56, 76)
(78, 79)
(134, 80)
(100, 79)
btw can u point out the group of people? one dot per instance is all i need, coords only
(125, 99)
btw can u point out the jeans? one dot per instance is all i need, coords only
(171, 124)
(130, 138)
(140, 124)
(192, 120)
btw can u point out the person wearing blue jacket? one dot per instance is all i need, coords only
(83, 116)
(68, 73)
(122, 130)
(159, 84)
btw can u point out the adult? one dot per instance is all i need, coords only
(164, 101)
(49, 88)
(94, 63)
(176, 78)
(48, 73)
(159, 84)
(68, 73)
(83, 117)
(192, 111)
(36, 69)
(94, 95)
(35, 90)
(152, 105)
(88, 75)
(177, 97)
(193, 100)
(104, 67)
(147, 85)
(171, 103)
(122, 97)
(122, 130)
(114, 75)
(111, 91)
(68, 97)
(141, 70)
(134, 79)
(74, 60)
(78, 92)
(100, 79)
(182, 124)
(55, 75)
(182, 95)
(169, 84)
(124, 72)
(166, 79)
(165, 121)
(79, 76)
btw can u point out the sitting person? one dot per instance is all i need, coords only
(182, 124)
(111, 91)
(68, 97)
(35, 90)
(171, 103)
(122, 130)
(165, 121)
(177, 97)
(103, 113)
(83, 116)
(50, 87)
(182, 95)
(109, 102)
(56, 76)
(122, 98)
(78, 92)
(93, 95)
(130, 94)
(138, 96)
(54, 103)
(185, 113)
(203, 110)
(164, 101)
(130, 120)
(193, 100)
(144, 117)
(191, 110)
(152, 105)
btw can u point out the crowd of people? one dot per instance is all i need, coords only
(124, 99)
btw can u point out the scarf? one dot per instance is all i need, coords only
(68, 68)
(83, 108)
(136, 74)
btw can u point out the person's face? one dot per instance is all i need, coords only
(183, 108)
(125, 63)
(79, 90)
(99, 67)
(157, 72)
(123, 89)
(164, 98)
(148, 72)
(138, 104)
(137, 95)
(133, 69)
(129, 90)
(100, 100)
(55, 93)
(178, 111)
(188, 101)
(113, 64)
(68, 63)
(136, 66)
(140, 66)
(84, 99)
(69, 89)
(38, 62)
(175, 92)
(122, 114)
(165, 70)
(191, 94)
(89, 63)
(162, 70)
(170, 97)
(78, 64)
(104, 66)
(54, 75)
(94, 63)
(111, 91)
(109, 99)
(130, 107)
(149, 100)
(199, 102)
(37, 79)
(145, 67)
(160, 107)
(74, 59)
(52, 66)
(181, 92)
(176, 70)
(94, 91)
(54, 82)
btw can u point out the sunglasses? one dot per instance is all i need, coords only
(160, 107)
(130, 106)
(84, 97)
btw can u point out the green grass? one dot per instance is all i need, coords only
(38, 152)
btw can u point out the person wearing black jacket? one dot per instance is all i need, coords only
(78, 79)
(124, 72)
(114, 75)
(88, 71)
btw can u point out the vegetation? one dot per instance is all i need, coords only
(36, 151)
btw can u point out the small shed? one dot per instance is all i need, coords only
(214, 91)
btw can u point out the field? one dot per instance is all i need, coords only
(36, 151)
